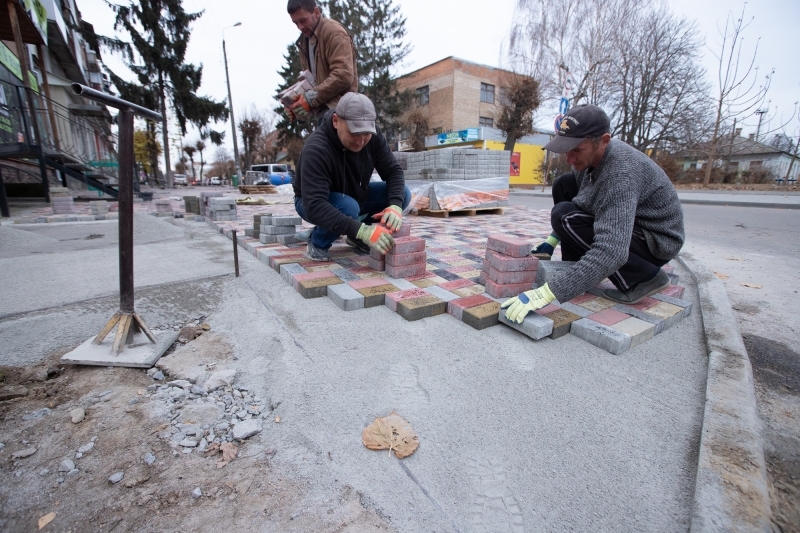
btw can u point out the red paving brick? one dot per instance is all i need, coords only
(456, 284)
(608, 317)
(511, 246)
(505, 263)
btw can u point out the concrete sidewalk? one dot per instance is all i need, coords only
(767, 199)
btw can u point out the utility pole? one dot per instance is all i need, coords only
(791, 164)
(230, 105)
(760, 113)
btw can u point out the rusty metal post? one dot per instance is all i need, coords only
(235, 253)
(4, 211)
(125, 123)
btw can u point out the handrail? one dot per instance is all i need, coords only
(113, 101)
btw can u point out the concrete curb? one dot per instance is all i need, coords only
(688, 201)
(731, 491)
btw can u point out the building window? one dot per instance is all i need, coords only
(423, 95)
(486, 122)
(756, 164)
(437, 131)
(487, 93)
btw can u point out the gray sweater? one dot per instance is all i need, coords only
(626, 188)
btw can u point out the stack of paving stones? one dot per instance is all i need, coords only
(191, 205)
(278, 229)
(255, 231)
(205, 198)
(508, 267)
(61, 201)
(222, 209)
(163, 208)
(406, 258)
(99, 207)
(457, 164)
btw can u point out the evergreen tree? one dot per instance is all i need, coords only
(159, 31)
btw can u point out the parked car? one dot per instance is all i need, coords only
(180, 179)
(216, 181)
(274, 173)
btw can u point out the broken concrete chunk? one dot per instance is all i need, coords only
(77, 414)
(22, 454)
(117, 477)
(247, 428)
(219, 379)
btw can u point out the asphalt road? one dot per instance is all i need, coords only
(756, 252)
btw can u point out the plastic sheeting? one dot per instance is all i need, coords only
(458, 195)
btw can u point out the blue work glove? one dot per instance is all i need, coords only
(528, 301)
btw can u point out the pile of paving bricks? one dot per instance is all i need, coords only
(508, 267)
(61, 201)
(163, 208)
(205, 206)
(280, 229)
(255, 231)
(191, 205)
(406, 258)
(222, 209)
(99, 207)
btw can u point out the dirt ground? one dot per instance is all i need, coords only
(254, 492)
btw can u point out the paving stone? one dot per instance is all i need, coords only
(658, 323)
(605, 337)
(401, 283)
(639, 330)
(424, 283)
(597, 304)
(405, 259)
(345, 297)
(316, 266)
(279, 230)
(286, 221)
(671, 314)
(365, 283)
(608, 317)
(511, 246)
(376, 295)
(534, 326)
(377, 264)
(505, 263)
(276, 261)
(470, 290)
(290, 269)
(510, 278)
(315, 288)
(548, 269)
(441, 293)
(345, 275)
(267, 239)
(456, 284)
(285, 239)
(676, 291)
(687, 306)
(375, 254)
(497, 290)
(257, 219)
(645, 304)
(419, 308)
(393, 298)
(456, 307)
(404, 231)
(562, 321)
(482, 316)
(407, 245)
(405, 271)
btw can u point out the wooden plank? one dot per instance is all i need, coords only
(106, 329)
(144, 327)
(122, 333)
(441, 213)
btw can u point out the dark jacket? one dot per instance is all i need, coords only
(326, 166)
(335, 62)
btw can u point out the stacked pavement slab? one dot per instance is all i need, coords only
(278, 229)
(61, 201)
(191, 205)
(205, 199)
(99, 207)
(508, 267)
(255, 231)
(222, 209)
(404, 258)
(163, 208)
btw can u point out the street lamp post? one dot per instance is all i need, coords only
(230, 104)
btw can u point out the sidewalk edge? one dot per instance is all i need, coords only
(731, 490)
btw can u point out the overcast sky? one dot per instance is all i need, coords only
(469, 29)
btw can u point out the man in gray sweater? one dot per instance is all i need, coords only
(624, 221)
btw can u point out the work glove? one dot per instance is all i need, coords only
(303, 103)
(391, 217)
(376, 237)
(528, 301)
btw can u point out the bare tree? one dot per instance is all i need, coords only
(200, 146)
(190, 150)
(738, 92)
(520, 100)
(415, 123)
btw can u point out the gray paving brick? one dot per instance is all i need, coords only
(577, 309)
(534, 326)
(290, 269)
(545, 270)
(345, 297)
(278, 230)
(286, 221)
(401, 284)
(441, 293)
(687, 306)
(659, 323)
(604, 337)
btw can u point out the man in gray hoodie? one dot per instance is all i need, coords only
(624, 221)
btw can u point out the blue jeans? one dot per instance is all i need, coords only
(377, 201)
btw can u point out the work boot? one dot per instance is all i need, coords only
(355, 243)
(316, 254)
(640, 291)
(303, 236)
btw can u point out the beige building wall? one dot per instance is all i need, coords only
(455, 92)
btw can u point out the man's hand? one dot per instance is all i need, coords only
(303, 103)
(376, 237)
(290, 113)
(391, 217)
(526, 302)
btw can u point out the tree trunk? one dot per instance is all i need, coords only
(164, 128)
(511, 140)
(713, 148)
(791, 163)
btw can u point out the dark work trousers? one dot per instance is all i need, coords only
(575, 228)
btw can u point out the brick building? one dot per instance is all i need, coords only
(458, 94)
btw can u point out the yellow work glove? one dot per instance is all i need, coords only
(376, 237)
(528, 301)
(391, 217)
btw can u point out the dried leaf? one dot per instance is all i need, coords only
(277, 420)
(721, 275)
(751, 285)
(391, 432)
(213, 449)
(46, 519)
(229, 452)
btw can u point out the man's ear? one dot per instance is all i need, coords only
(335, 121)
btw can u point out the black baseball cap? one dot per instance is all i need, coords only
(580, 123)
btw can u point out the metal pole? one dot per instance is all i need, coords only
(4, 211)
(236, 253)
(126, 211)
(233, 120)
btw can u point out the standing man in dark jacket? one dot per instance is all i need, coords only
(332, 186)
(328, 52)
(619, 218)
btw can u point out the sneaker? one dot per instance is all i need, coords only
(316, 254)
(640, 291)
(303, 236)
(357, 244)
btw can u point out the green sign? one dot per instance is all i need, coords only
(38, 14)
(104, 164)
(11, 62)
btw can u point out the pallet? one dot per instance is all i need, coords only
(258, 189)
(441, 213)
